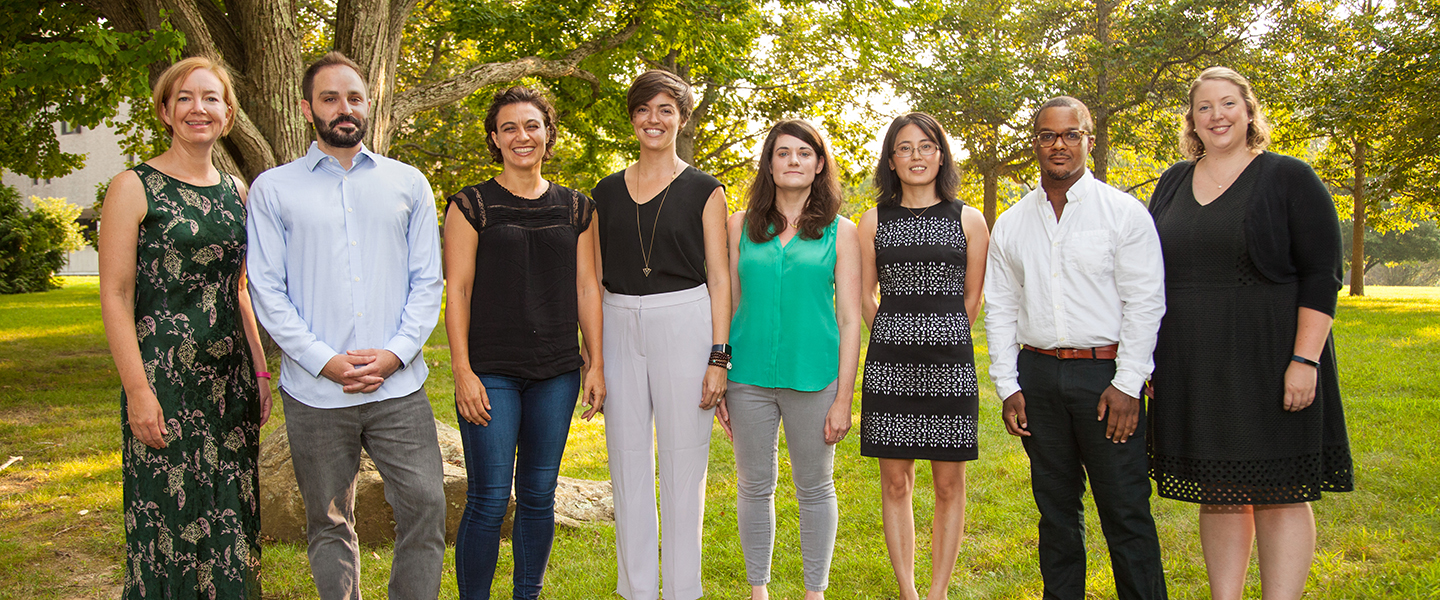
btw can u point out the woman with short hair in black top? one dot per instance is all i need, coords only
(514, 245)
(667, 319)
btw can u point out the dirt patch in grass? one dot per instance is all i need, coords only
(90, 577)
(21, 416)
(16, 484)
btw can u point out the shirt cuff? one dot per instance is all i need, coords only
(315, 358)
(1006, 389)
(404, 350)
(1128, 382)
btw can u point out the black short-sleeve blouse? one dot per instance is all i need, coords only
(524, 309)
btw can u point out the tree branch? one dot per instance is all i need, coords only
(440, 93)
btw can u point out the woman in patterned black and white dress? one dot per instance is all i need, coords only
(925, 251)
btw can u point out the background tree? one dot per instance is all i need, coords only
(1354, 74)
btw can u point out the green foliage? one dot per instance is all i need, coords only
(33, 242)
(1419, 243)
(59, 64)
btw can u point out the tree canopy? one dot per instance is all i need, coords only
(1350, 83)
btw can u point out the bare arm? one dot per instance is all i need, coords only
(869, 275)
(125, 207)
(734, 228)
(252, 331)
(977, 247)
(592, 320)
(1312, 328)
(717, 280)
(461, 241)
(847, 316)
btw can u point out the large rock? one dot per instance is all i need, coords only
(282, 512)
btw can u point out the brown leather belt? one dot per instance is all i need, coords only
(1102, 353)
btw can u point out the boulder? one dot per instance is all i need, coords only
(282, 511)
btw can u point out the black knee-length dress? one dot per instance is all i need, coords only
(920, 398)
(1218, 431)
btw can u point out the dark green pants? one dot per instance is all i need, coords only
(1066, 444)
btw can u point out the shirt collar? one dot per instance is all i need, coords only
(315, 155)
(1078, 192)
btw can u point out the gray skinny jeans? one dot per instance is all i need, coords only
(755, 417)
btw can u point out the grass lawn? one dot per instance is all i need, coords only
(61, 533)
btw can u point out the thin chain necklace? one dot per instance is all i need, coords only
(922, 211)
(1218, 184)
(640, 236)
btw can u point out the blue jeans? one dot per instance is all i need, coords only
(523, 443)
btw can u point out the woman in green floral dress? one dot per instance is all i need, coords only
(183, 336)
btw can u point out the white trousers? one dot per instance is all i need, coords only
(656, 349)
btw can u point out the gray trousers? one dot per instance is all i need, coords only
(399, 434)
(755, 417)
(656, 348)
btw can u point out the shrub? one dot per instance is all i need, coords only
(34, 241)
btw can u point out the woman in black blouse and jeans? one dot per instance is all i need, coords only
(513, 244)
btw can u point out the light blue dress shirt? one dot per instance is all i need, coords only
(344, 260)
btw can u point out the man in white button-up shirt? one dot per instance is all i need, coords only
(344, 265)
(1074, 290)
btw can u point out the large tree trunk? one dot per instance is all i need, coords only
(259, 42)
(369, 32)
(1357, 245)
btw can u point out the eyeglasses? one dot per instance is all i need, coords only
(925, 149)
(1071, 137)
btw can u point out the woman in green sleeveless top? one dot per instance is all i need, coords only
(183, 336)
(795, 273)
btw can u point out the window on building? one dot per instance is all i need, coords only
(66, 128)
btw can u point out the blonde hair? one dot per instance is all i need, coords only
(173, 76)
(1257, 132)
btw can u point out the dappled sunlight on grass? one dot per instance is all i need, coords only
(59, 408)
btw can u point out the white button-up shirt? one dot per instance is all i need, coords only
(1092, 278)
(344, 260)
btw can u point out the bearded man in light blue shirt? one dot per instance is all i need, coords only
(344, 269)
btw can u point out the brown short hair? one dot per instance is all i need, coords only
(656, 81)
(519, 95)
(173, 76)
(331, 58)
(1257, 132)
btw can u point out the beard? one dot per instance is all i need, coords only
(334, 137)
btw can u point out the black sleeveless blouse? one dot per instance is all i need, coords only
(677, 259)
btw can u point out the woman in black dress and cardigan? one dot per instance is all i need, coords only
(1246, 417)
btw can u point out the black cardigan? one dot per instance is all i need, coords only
(1291, 229)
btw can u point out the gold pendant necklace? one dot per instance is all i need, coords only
(645, 254)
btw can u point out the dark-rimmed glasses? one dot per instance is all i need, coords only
(1071, 137)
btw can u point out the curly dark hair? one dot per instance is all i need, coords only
(517, 95)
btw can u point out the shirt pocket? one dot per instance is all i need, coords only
(1090, 252)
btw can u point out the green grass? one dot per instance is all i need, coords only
(59, 409)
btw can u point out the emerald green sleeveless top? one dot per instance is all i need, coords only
(784, 333)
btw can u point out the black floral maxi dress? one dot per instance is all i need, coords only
(192, 516)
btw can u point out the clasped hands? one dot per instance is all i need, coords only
(361, 371)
